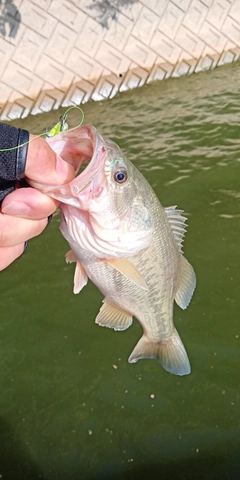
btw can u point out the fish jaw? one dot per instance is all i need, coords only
(90, 189)
(76, 147)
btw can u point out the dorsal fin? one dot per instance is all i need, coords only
(177, 223)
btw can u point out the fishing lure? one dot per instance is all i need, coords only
(61, 126)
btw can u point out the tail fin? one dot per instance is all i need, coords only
(172, 354)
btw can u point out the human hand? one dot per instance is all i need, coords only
(24, 212)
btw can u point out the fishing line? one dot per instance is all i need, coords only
(61, 126)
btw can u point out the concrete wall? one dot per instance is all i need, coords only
(55, 52)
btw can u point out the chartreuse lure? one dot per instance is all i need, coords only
(61, 126)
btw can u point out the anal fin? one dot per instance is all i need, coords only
(112, 316)
(170, 353)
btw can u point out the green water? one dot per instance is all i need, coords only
(71, 407)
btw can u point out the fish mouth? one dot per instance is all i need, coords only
(85, 150)
(92, 158)
(77, 147)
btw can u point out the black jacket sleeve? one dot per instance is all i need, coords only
(12, 162)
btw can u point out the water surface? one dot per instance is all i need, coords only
(71, 407)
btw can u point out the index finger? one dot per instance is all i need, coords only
(29, 203)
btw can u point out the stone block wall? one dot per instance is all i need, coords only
(67, 52)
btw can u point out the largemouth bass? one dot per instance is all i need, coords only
(126, 243)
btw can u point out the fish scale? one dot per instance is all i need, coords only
(127, 244)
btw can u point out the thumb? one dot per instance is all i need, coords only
(44, 166)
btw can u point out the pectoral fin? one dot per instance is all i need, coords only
(112, 316)
(70, 257)
(126, 268)
(80, 276)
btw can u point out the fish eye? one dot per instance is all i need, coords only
(121, 175)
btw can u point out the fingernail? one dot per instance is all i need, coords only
(25, 247)
(16, 208)
(62, 168)
(49, 219)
